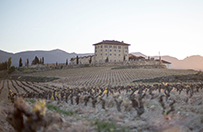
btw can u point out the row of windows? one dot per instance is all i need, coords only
(110, 61)
(114, 50)
(110, 46)
(110, 54)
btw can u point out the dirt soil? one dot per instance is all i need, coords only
(187, 117)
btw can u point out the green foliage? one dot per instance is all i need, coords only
(20, 62)
(9, 62)
(11, 69)
(105, 126)
(202, 120)
(58, 110)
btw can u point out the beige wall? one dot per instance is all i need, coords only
(114, 52)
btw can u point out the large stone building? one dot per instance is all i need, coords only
(111, 51)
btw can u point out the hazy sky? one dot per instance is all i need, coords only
(173, 27)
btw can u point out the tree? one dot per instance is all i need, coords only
(107, 59)
(66, 62)
(35, 61)
(43, 60)
(11, 69)
(20, 62)
(90, 60)
(9, 62)
(3, 65)
(77, 60)
(27, 62)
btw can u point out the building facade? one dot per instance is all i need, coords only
(82, 60)
(111, 51)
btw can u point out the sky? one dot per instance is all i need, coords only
(171, 27)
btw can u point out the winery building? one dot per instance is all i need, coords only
(111, 51)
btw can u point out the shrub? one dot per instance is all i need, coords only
(11, 69)
(58, 110)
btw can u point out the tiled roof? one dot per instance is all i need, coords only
(112, 42)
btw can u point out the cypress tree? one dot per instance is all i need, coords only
(20, 62)
(77, 60)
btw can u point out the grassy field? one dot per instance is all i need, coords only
(103, 76)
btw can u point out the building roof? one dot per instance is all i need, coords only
(138, 54)
(112, 42)
(165, 62)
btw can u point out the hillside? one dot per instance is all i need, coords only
(52, 56)
(191, 62)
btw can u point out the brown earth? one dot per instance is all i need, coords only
(187, 117)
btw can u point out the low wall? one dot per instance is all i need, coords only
(128, 64)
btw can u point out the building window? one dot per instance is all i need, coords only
(101, 49)
(105, 53)
(95, 47)
(110, 54)
(119, 54)
(119, 50)
(95, 54)
(119, 47)
(105, 49)
(110, 46)
(125, 55)
(114, 54)
(114, 50)
(105, 46)
(95, 50)
(114, 46)
(110, 50)
(101, 54)
(126, 51)
(101, 46)
(126, 47)
(114, 60)
(110, 60)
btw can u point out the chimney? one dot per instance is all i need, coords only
(121, 41)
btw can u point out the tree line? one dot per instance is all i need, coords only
(7, 64)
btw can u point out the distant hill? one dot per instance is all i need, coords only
(191, 62)
(60, 56)
(52, 56)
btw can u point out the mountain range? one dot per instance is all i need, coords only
(60, 56)
(51, 56)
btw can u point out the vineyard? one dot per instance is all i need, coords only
(104, 76)
(101, 99)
